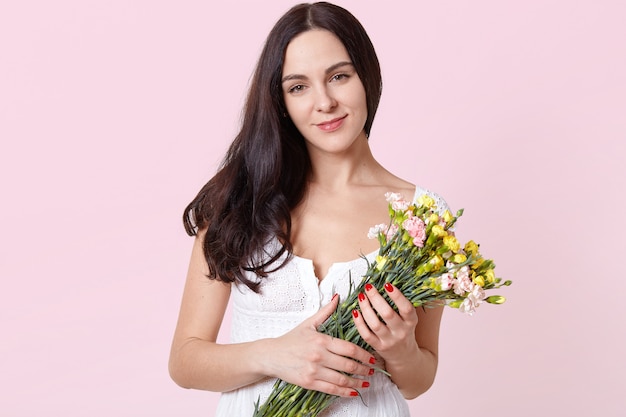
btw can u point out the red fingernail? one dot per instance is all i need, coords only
(334, 296)
(361, 296)
(372, 360)
(389, 287)
(354, 394)
(371, 371)
(368, 287)
(365, 384)
(355, 314)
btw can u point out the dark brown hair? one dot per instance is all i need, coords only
(263, 176)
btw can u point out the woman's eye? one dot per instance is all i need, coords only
(296, 89)
(339, 77)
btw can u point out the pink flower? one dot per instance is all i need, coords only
(393, 229)
(477, 295)
(416, 228)
(398, 203)
(473, 300)
(463, 283)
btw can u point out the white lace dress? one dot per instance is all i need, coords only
(288, 297)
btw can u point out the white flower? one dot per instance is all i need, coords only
(375, 230)
(391, 197)
(446, 281)
(467, 307)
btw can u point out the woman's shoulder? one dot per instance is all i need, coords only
(410, 190)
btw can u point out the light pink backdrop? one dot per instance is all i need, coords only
(114, 113)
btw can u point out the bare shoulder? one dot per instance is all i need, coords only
(410, 191)
(393, 183)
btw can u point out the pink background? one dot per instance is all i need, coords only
(114, 113)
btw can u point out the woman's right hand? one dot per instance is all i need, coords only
(317, 361)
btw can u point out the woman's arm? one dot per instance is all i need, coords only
(408, 341)
(302, 356)
(196, 360)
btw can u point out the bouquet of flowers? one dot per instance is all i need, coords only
(422, 258)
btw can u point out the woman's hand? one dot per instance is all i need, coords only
(393, 337)
(316, 361)
(407, 341)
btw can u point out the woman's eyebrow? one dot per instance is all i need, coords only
(338, 65)
(328, 70)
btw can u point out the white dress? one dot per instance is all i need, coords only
(288, 297)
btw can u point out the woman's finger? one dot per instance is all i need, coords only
(406, 310)
(375, 306)
(350, 358)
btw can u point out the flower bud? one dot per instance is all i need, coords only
(380, 262)
(495, 299)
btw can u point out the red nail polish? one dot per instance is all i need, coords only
(371, 371)
(355, 314)
(334, 296)
(354, 394)
(365, 384)
(368, 287)
(361, 296)
(389, 287)
(372, 360)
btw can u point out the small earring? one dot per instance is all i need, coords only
(285, 115)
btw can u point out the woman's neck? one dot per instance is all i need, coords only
(337, 170)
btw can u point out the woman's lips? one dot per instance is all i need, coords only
(332, 125)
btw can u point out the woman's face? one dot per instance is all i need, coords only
(325, 97)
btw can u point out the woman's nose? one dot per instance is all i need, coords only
(324, 101)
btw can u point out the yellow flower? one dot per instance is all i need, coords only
(447, 216)
(433, 218)
(490, 276)
(426, 201)
(480, 281)
(452, 243)
(477, 263)
(458, 258)
(380, 262)
(436, 261)
(438, 231)
(471, 248)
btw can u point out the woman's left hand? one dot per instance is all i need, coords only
(393, 337)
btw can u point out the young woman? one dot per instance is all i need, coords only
(280, 230)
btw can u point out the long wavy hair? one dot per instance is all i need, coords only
(263, 176)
